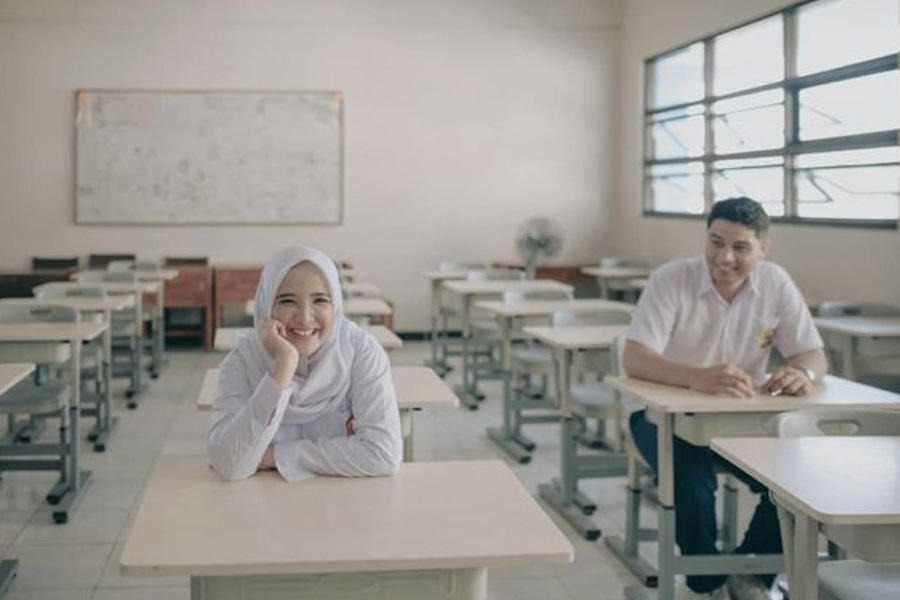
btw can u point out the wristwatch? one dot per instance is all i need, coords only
(810, 374)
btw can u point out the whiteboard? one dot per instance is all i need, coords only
(157, 157)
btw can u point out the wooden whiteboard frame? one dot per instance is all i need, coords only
(83, 101)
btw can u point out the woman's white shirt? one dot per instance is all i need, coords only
(248, 415)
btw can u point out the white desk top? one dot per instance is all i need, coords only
(50, 332)
(617, 272)
(430, 515)
(353, 307)
(840, 480)
(362, 289)
(538, 308)
(122, 287)
(158, 275)
(226, 337)
(868, 327)
(832, 392)
(366, 307)
(469, 288)
(577, 338)
(416, 387)
(80, 303)
(13, 373)
(437, 275)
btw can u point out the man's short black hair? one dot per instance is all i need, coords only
(742, 210)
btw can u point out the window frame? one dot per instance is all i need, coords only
(792, 85)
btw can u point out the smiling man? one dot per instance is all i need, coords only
(709, 323)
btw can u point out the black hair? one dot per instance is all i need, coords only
(744, 211)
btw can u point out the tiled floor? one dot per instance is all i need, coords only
(79, 560)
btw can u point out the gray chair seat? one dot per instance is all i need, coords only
(30, 399)
(859, 580)
(533, 356)
(592, 399)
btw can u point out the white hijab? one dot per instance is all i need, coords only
(327, 371)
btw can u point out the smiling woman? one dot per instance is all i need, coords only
(307, 391)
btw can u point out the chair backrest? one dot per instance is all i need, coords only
(66, 289)
(450, 266)
(495, 275)
(857, 309)
(117, 266)
(99, 261)
(610, 262)
(183, 261)
(815, 422)
(37, 312)
(39, 263)
(599, 316)
(513, 296)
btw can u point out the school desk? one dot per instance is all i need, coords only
(846, 487)
(697, 418)
(845, 333)
(433, 530)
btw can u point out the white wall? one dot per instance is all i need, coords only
(826, 262)
(462, 118)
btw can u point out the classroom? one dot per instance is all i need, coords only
(497, 183)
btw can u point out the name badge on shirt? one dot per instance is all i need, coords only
(765, 333)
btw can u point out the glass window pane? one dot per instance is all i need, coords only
(677, 133)
(749, 56)
(841, 32)
(853, 192)
(677, 188)
(867, 156)
(765, 184)
(678, 77)
(860, 105)
(752, 122)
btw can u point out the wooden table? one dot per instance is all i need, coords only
(845, 333)
(697, 418)
(509, 316)
(87, 305)
(416, 388)
(10, 375)
(431, 531)
(226, 337)
(846, 487)
(605, 275)
(469, 292)
(563, 496)
(66, 491)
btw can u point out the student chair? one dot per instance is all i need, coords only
(623, 288)
(42, 398)
(125, 330)
(847, 579)
(873, 357)
(91, 353)
(40, 263)
(527, 358)
(484, 340)
(99, 261)
(448, 313)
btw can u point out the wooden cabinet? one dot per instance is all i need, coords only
(234, 286)
(191, 289)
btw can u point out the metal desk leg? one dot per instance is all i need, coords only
(562, 497)
(465, 392)
(509, 436)
(7, 574)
